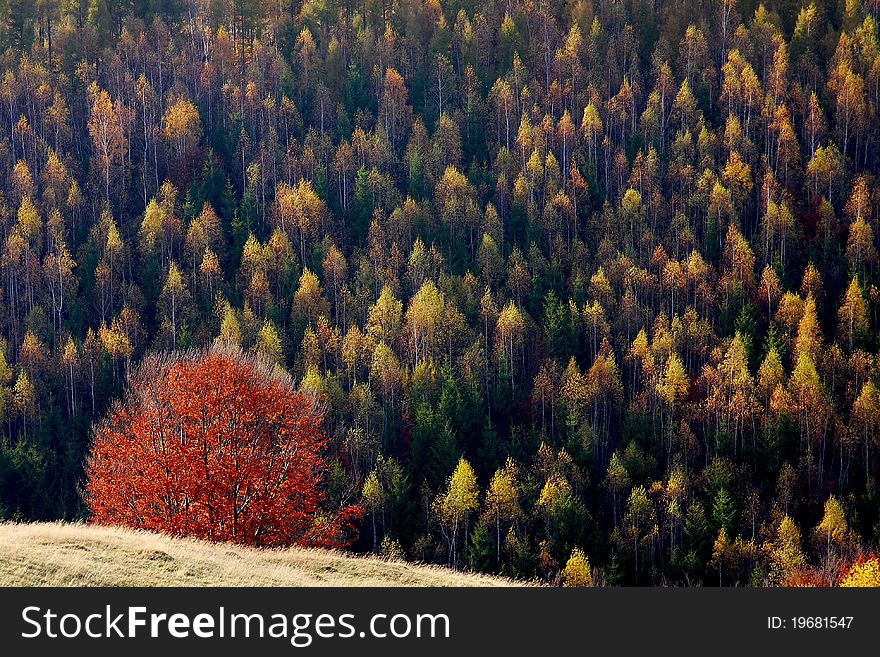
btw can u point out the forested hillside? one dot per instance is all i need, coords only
(576, 283)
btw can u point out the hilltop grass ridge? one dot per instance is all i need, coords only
(76, 554)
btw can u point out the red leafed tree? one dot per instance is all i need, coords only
(215, 445)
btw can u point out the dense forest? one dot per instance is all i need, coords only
(581, 286)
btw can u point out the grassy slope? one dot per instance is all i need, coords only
(54, 554)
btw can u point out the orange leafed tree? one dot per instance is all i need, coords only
(218, 446)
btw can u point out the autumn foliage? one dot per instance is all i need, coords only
(217, 446)
(864, 572)
(564, 277)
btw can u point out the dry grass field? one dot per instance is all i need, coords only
(57, 554)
